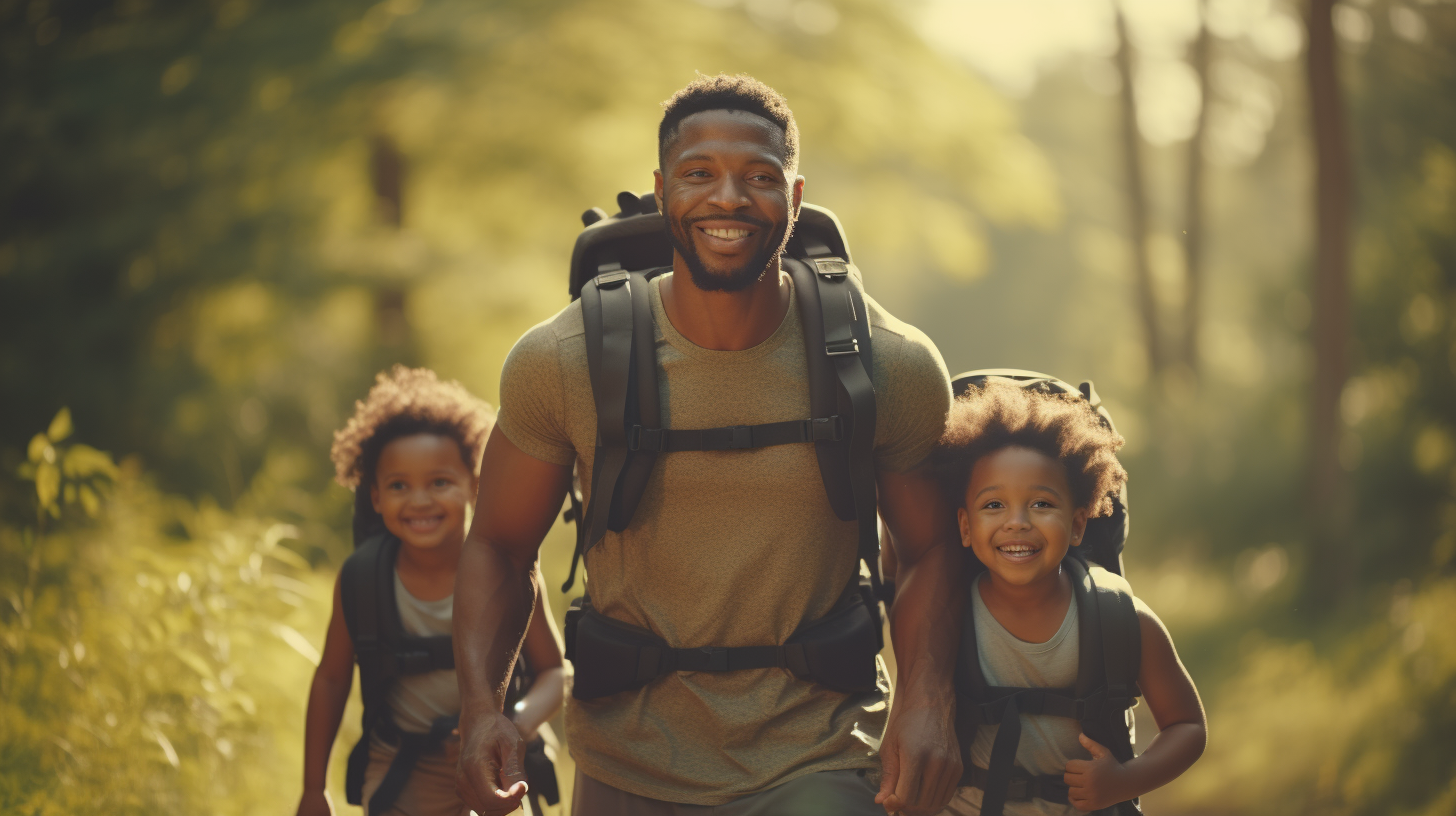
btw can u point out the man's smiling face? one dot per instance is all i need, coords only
(727, 198)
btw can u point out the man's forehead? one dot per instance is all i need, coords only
(724, 127)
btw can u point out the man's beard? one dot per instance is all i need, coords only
(734, 280)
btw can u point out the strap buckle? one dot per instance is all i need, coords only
(640, 438)
(831, 268)
(838, 348)
(717, 657)
(613, 279)
(823, 429)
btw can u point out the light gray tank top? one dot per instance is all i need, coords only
(1046, 742)
(419, 699)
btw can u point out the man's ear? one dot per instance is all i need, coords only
(797, 195)
(1079, 525)
(963, 520)
(657, 190)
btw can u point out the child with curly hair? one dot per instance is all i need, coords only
(411, 453)
(1026, 468)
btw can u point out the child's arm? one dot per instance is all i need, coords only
(542, 650)
(326, 698)
(1182, 730)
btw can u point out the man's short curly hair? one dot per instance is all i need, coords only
(1001, 414)
(724, 92)
(405, 402)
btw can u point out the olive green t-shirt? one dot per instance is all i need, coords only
(727, 548)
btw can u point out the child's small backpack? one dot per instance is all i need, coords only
(1109, 651)
(385, 652)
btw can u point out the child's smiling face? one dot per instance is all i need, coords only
(1019, 517)
(422, 489)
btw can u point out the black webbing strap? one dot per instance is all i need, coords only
(643, 409)
(411, 748)
(824, 391)
(606, 309)
(847, 345)
(1122, 659)
(1054, 702)
(735, 437)
(1022, 786)
(1003, 759)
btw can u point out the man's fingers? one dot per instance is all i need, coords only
(908, 784)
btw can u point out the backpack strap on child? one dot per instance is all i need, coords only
(385, 652)
(1109, 657)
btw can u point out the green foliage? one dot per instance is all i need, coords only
(151, 659)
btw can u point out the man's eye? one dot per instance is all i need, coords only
(696, 174)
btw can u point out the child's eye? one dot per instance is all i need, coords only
(1041, 503)
(994, 504)
(442, 482)
(397, 485)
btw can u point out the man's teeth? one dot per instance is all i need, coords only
(729, 234)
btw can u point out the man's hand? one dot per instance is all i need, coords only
(490, 779)
(315, 803)
(1097, 783)
(921, 760)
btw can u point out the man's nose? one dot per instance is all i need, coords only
(729, 194)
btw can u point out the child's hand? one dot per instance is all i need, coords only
(315, 803)
(1097, 783)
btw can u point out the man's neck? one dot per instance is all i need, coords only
(725, 321)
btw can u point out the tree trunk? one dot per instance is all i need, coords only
(1193, 203)
(1137, 204)
(1328, 488)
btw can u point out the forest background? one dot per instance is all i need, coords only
(221, 218)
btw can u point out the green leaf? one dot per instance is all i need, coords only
(83, 461)
(90, 502)
(47, 483)
(60, 426)
(39, 444)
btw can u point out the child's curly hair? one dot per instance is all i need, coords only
(1002, 414)
(405, 402)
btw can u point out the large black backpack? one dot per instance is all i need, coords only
(1109, 651)
(612, 264)
(385, 652)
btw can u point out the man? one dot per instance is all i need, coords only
(727, 548)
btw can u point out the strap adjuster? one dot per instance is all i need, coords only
(717, 657)
(613, 279)
(831, 268)
(739, 437)
(823, 429)
(837, 348)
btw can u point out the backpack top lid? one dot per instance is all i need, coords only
(1105, 536)
(635, 239)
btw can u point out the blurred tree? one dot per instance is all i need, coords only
(1193, 198)
(1333, 194)
(1136, 195)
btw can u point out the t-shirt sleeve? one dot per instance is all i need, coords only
(913, 401)
(532, 398)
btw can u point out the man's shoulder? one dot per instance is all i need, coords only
(905, 350)
(555, 341)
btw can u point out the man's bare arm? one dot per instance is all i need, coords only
(920, 754)
(496, 586)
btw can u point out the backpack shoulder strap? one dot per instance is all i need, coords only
(606, 308)
(840, 362)
(368, 601)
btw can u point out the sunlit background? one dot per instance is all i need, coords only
(221, 218)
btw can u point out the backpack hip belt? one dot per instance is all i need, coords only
(837, 651)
